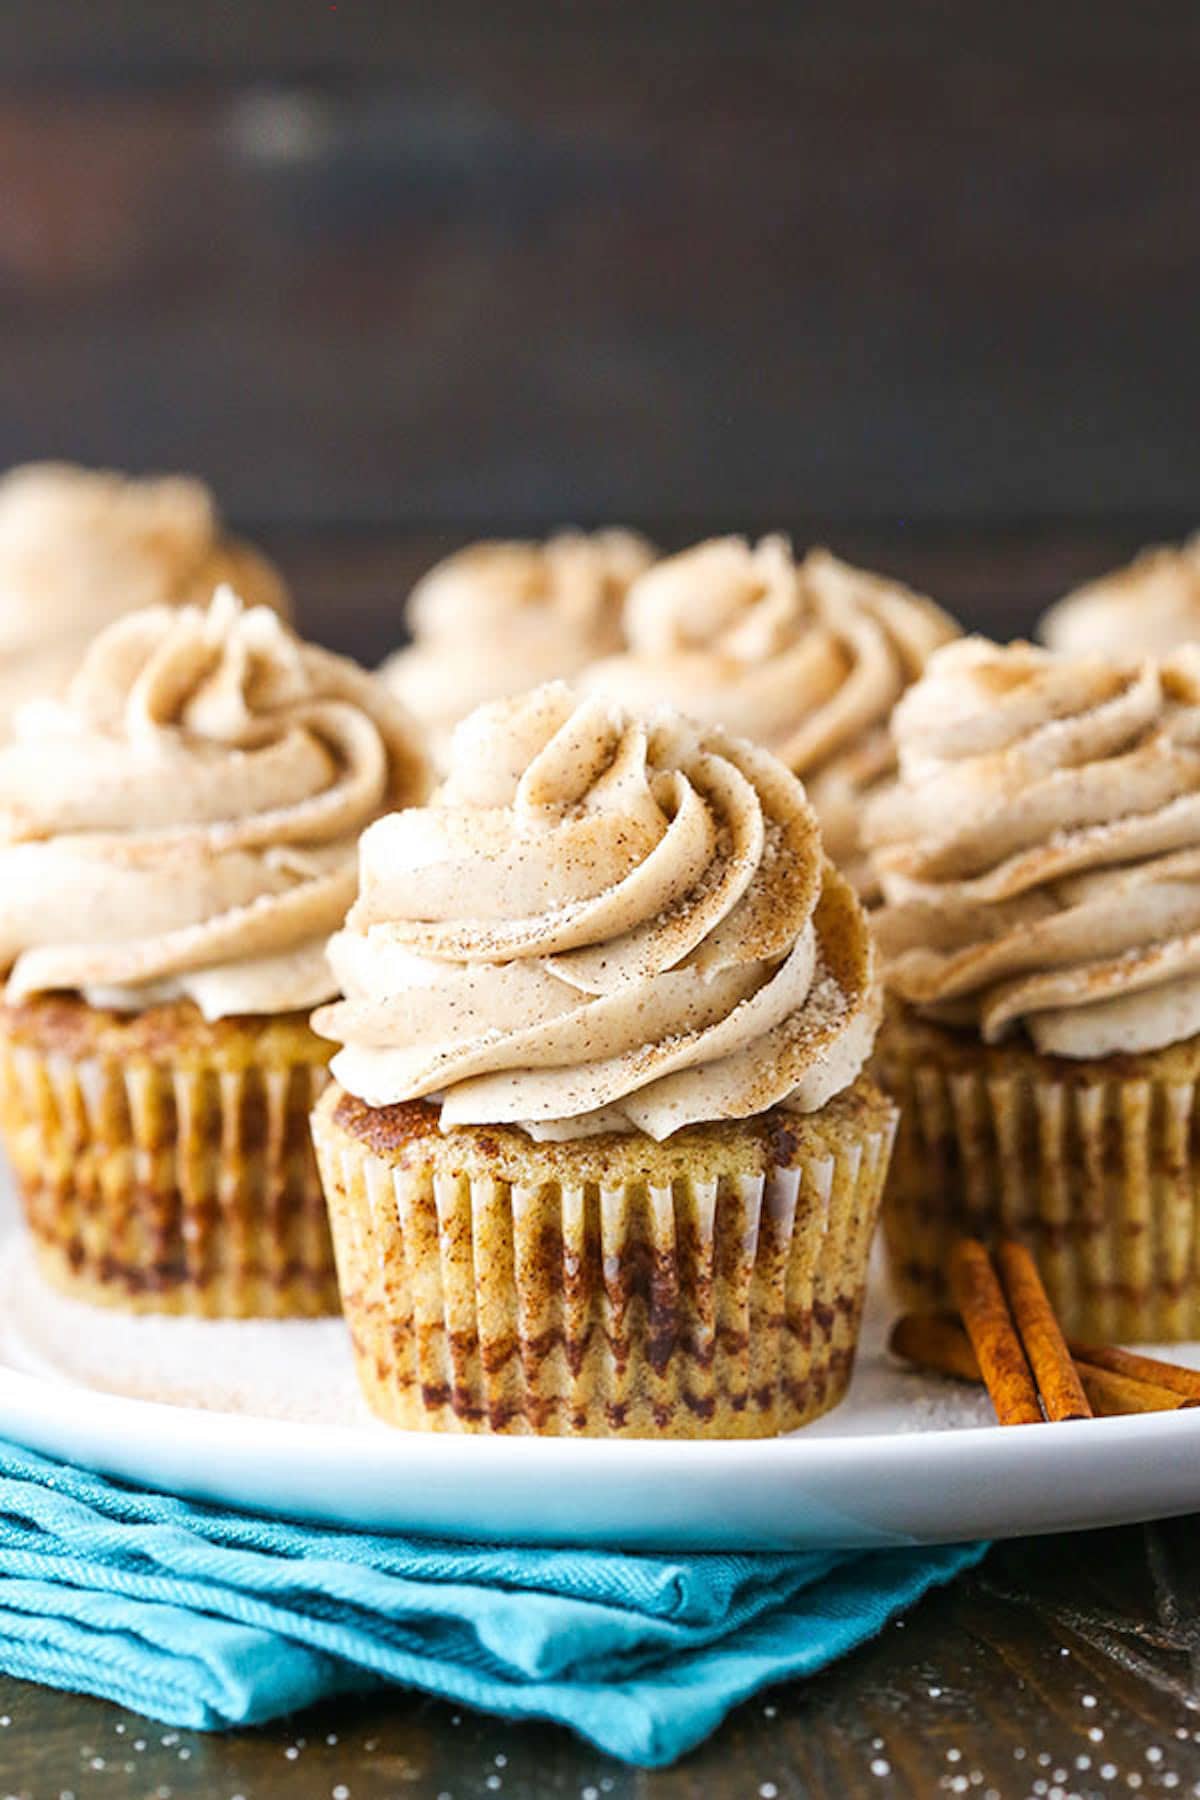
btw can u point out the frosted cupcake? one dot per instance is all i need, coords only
(1042, 940)
(1148, 608)
(808, 658)
(599, 1156)
(497, 618)
(81, 547)
(177, 841)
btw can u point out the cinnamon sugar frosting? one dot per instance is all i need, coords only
(807, 657)
(499, 617)
(602, 921)
(185, 821)
(1148, 608)
(81, 547)
(1041, 856)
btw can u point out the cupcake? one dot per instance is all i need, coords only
(598, 1154)
(497, 618)
(1148, 608)
(81, 547)
(808, 658)
(177, 841)
(1041, 943)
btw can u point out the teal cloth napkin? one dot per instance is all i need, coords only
(204, 1618)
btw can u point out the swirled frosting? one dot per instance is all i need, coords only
(602, 922)
(808, 658)
(185, 821)
(1148, 608)
(497, 618)
(80, 547)
(1041, 856)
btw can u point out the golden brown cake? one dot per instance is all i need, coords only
(1041, 938)
(165, 1160)
(178, 838)
(599, 1157)
(708, 1285)
(808, 658)
(498, 617)
(81, 547)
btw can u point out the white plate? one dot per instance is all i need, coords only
(268, 1417)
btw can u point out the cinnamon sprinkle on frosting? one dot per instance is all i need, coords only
(603, 921)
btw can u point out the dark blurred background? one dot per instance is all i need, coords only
(920, 281)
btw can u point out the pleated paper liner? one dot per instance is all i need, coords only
(164, 1163)
(710, 1286)
(1096, 1165)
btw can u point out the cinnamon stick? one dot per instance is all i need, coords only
(1141, 1368)
(937, 1342)
(1112, 1394)
(989, 1325)
(1062, 1392)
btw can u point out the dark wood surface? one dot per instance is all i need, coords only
(427, 266)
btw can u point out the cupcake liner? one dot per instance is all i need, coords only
(178, 1186)
(719, 1304)
(1093, 1164)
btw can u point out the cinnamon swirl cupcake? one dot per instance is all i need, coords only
(496, 618)
(599, 1156)
(81, 547)
(1148, 608)
(808, 658)
(177, 841)
(1041, 937)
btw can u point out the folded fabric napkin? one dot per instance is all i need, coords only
(204, 1618)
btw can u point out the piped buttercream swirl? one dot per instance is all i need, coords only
(602, 921)
(1148, 608)
(185, 821)
(81, 547)
(499, 617)
(1041, 856)
(806, 657)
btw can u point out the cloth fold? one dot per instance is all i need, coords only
(208, 1619)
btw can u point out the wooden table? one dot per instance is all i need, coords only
(1062, 1666)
